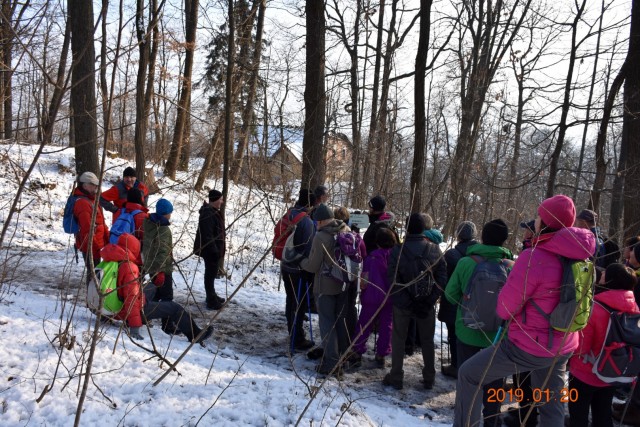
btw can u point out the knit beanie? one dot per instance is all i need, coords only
(466, 231)
(129, 171)
(378, 203)
(88, 178)
(617, 276)
(322, 212)
(164, 207)
(214, 195)
(415, 224)
(557, 212)
(304, 198)
(495, 232)
(589, 216)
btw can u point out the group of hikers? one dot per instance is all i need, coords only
(401, 283)
(510, 329)
(141, 243)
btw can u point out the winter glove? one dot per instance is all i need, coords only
(135, 334)
(158, 280)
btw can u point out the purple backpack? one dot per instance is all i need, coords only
(348, 258)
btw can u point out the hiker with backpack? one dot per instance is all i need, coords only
(157, 250)
(80, 210)
(378, 218)
(418, 274)
(131, 217)
(300, 230)
(375, 298)
(587, 219)
(210, 245)
(115, 198)
(331, 295)
(473, 288)
(139, 305)
(592, 389)
(531, 343)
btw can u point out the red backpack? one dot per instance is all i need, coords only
(283, 230)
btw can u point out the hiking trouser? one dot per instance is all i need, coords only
(85, 259)
(385, 318)
(164, 292)
(508, 360)
(597, 398)
(170, 310)
(210, 273)
(332, 311)
(296, 304)
(426, 328)
(490, 410)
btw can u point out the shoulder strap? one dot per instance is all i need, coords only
(478, 259)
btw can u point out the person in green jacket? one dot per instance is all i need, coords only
(471, 341)
(157, 250)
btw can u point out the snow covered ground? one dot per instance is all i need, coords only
(242, 376)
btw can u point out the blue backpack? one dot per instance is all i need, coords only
(69, 221)
(124, 224)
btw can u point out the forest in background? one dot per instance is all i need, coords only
(470, 109)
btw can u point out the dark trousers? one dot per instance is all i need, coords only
(452, 341)
(597, 398)
(85, 260)
(522, 381)
(210, 273)
(490, 410)
(296, 286)
(169, 310)
(352, 310)
(165, 292)
(426, 330)
(332, 311)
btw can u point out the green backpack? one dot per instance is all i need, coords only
(107, 277)
(576, 297)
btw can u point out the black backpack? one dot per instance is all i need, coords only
(415, 275)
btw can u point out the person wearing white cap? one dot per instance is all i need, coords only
(83, 211)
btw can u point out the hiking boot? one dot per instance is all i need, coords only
(323, 372)
(380, 361)
(205, 335)
(220, 299)
(315, 353)
(353, 361)
(450, 371)
(388, 381)
(302, 344)
(630, 417)
(214, 305)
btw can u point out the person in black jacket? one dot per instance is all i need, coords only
(466, 234)
(378, 218)
(209, 244)
(415, 249)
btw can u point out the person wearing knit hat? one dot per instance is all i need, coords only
(115, 198)
(466, 233)
(471, 272)
(210, 244)
(81, 205)
(587, 219)
(531, 343)
(298, 283)
(157, 254)
(322, 213)
(615, 294)
(378, 218)
(408, 264)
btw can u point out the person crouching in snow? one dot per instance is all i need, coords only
(136, 303)
(374, 287)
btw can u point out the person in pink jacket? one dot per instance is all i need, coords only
(529, 345)
(617, 286)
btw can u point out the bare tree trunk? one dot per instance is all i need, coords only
(104, 89)
(314, 97)
(8, 8)
(184, 108)
(247, 112)
(83, 88)
(631, 127)
(420, 144)
(228, 118)
(562, 127)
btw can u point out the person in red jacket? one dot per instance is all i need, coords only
(135, 202)
(616, 285)
(115, 198)
(139, 304)
(83, 211)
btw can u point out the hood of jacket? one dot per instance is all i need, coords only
(618, 299)
(127, 249)
(334, 227)
(158, 219)
(489, 251)
(570, 242)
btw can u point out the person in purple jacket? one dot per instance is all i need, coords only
(376, 304)
(529, 345)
